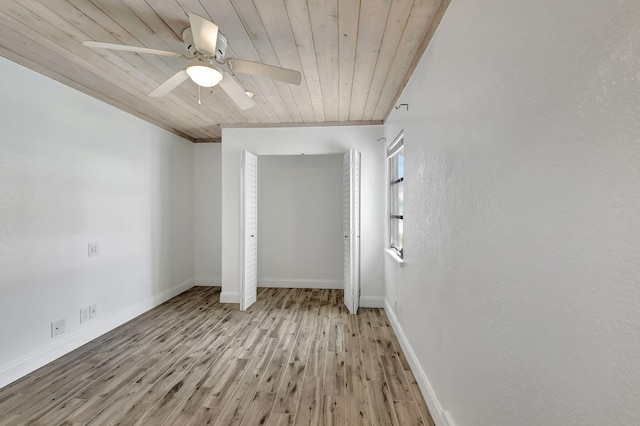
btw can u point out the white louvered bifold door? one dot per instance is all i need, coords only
(351, 229)
(249, 249)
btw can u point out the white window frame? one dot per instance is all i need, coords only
(395, 249)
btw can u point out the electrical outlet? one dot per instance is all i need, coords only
(94, 249)
(58, 327)
(93, 311)
(84, 315)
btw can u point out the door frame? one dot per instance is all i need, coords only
(356, 232)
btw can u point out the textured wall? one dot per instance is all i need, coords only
(300, 221)
(74, 170)
(208, 213)
(520, 292)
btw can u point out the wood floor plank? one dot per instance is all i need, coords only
(398, 351)
(95, 405)
(235, 410)
(281, 419)
(336, 337)
(295, 357)
(49, 395)
(259, 409)
(202, 416)
(112, 407)
(311, 402)
(172, 399)
(8, 420)
(334, 410)
(334, 380)
(273, 374)
(408, 414)
(380, 399)
(226, 383)
(357, 408)
(384, 342)
(317, 359)
(130, 414)
(425, 414)
(9, 400)
(395, 378)
(288, 394)
(373, 364)
(245, 394)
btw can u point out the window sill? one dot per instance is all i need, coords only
(392, 254)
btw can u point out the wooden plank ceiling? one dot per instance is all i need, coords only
(355, 56)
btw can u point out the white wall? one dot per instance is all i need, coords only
(519, 296)
(308, 140)
(300, 221)
(208, 213)
(74, 170)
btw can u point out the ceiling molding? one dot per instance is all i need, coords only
(322, 124)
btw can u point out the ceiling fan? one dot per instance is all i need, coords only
(208, 64)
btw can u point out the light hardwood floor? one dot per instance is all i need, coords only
(295, 357)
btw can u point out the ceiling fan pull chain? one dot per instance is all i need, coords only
(199, 102)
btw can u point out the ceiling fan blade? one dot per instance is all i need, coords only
(263, 70)
(236, 92)
(112, 46)
(205, 34)
(174, 81)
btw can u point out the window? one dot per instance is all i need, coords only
(395, 159)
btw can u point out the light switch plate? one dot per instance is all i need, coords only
(94, 249)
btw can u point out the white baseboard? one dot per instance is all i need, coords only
(440, 416)
(208, 281)
(229, 297)
(300, 283)
(36, 359)
(372, 302)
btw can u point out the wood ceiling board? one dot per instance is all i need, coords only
(170, 13)
(412, 46)
(324, 26)
(348, 18)
(351, 78)
(371, 27)
(286, 109)
(86, 19)
(278, 27)
(154, 22)
(111, 31)
(395, 27)
(298, 14)
(129, 27)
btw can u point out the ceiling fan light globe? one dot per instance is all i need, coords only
(204, 76)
